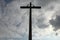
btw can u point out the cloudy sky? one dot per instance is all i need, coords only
(14, 21)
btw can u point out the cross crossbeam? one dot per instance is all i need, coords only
(29, 7)
(30, 17)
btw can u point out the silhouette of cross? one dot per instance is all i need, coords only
(30, 17)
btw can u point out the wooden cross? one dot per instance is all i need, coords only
(30, 7)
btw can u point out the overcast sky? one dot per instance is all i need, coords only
(14, 21)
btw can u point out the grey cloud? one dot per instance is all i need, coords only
(8, 1)
(11, 19)
(39, 21)
(15, 17)
(44, 3)
(55, 23)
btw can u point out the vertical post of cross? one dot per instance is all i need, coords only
(30, 23)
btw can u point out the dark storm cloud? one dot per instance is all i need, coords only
(8, 1)
(55, 23)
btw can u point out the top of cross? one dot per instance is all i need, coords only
(30, 6)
